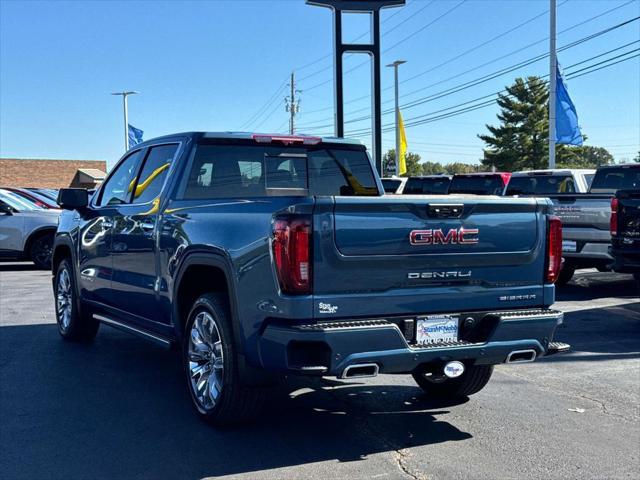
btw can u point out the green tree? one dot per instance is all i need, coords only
(414, 168)
(459, 167)
(585, 156)
(521, 141)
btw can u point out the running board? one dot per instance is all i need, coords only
(136, 331)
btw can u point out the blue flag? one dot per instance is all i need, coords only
(567, 128)
(135, 136)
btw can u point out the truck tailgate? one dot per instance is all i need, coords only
(387, 255)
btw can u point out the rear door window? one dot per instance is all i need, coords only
(154, 172)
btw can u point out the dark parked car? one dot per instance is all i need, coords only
(625, 232)
(427, 185)
(265, 255)
(487, 183)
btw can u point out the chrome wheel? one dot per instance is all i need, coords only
(64, 299)
(206, 361)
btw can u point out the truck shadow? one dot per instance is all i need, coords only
(119, 409)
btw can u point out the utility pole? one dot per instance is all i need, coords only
(553, 65)
(125, 94)
(395, 76)
(293, 105)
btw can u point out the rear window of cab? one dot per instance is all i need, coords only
(239, 171)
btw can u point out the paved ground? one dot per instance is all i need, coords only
(118, 408)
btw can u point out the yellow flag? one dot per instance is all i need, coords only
(402, 163)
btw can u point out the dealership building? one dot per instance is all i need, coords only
(19, 172)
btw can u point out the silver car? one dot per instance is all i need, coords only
(26, 230)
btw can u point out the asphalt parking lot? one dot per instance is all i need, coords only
(119, 409)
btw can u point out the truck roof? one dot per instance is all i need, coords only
(229, 135)
(558, 171)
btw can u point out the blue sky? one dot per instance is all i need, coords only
(214, 65)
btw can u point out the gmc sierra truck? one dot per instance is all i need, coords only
(625, 232)
(585, 219)
(263, 256)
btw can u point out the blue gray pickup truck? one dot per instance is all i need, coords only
(263, 256)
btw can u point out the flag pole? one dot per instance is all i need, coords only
(553, 62)
(395, 74)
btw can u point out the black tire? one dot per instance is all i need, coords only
(41, 250)
(566, 274)
(233, 403)
(471, 381)
(79, 326)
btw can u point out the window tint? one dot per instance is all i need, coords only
(430, 186)
(477, 184)
(390, 185)
(617, 178)
(119, 185)
(220, 171)
(155, 170)
(537, 185)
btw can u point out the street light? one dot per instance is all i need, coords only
(126, 115)
(395, 74)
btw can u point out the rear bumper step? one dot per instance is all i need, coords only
(354, 346)
(557, 347)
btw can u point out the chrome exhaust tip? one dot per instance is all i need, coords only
(521, 356)
(360, 370)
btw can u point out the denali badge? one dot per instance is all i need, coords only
(438, 275)
(461, 236)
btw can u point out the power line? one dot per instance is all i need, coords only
(514, 52)
(276, 108)
(262, 109)
(455, 110)
(317, 85)
(488, 77)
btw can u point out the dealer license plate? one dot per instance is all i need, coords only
(569, 246)
(437, 329)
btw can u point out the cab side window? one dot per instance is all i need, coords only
(154, 172)
(118, 187)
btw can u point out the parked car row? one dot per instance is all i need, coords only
(26, 228)
(531, 182)
(584, 199)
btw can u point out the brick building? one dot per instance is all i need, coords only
(18, 172)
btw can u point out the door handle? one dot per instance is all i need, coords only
(147, 226)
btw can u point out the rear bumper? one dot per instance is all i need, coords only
(329, 348)
(626, 258)
(592, 246)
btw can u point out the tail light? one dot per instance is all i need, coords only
(613, 221)
(292, 254)
(554, 249)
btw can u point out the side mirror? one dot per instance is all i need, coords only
(73, 198)
(5, 209)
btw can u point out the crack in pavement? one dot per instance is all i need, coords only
(401, 453)
(545, 388)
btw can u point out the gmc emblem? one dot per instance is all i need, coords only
(461, 236)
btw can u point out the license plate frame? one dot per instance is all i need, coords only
(569, 246)
(437, 329)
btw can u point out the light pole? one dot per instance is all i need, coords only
(125, 94)
(395, 74)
